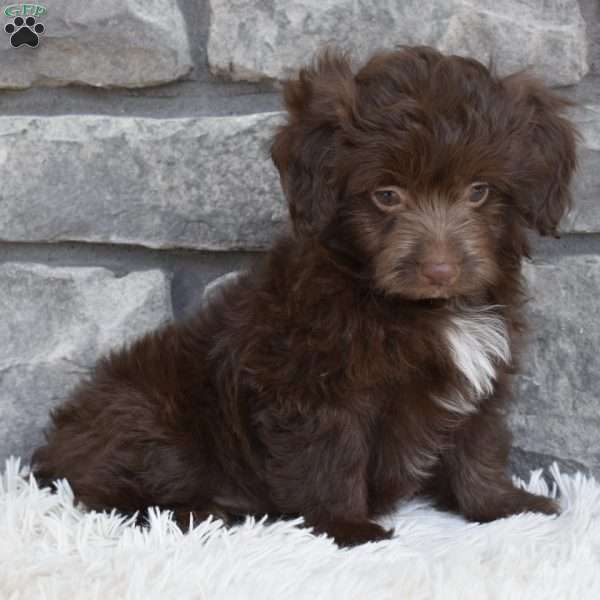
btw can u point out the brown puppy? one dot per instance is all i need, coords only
(368, 358)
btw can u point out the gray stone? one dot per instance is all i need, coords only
(585, 215)
(558, 408)
(105, 44)
(55, 323)
(253, 40)
(212, 290)
(191, 283)
(569, 437)
(203, 183)
(523, 462)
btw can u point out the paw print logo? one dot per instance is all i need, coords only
(24, 32)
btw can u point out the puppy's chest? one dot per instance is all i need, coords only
(475, 346)
(415, 427)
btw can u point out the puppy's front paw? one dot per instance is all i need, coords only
(353, 533)
(513, 503)
(528, 502)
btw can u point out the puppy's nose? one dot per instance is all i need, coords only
(439, 273)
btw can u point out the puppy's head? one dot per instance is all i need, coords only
(423, 170)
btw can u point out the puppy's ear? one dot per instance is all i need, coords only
(318, 102)
(548, 152)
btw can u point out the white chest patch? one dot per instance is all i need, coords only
(478, 341)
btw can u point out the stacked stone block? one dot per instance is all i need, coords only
(135, 169)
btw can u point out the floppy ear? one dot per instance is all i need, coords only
(304, 148)
(548, 152)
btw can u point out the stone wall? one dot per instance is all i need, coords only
(134, 169)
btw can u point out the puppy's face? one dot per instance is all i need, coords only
(423, 169)
(431, 243)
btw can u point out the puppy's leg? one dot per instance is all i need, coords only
(473, 479)
(317, 468)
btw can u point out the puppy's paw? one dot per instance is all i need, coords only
(528, 502)
(353, 533)
(513, 503)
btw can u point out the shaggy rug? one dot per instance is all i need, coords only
(49, 549)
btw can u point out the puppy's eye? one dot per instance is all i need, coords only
(478, 193)
(388, 198)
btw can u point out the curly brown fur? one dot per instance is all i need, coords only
(369, 357)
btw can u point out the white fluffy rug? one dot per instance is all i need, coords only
(51, 550)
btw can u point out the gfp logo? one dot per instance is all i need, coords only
(24, 29)
(25, 10)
